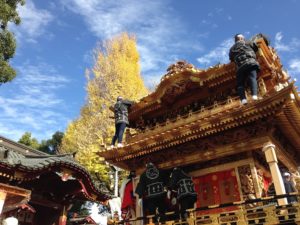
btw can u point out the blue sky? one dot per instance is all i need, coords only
(57, 37)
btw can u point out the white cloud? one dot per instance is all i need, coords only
(33, 22)
(31, 102)
(294, 67)
(219, 10)
(107, 18)
(286, 47)
(153, 22)
(10, 131)
(217, 55)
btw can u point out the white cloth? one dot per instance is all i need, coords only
(10, 221)
(99, 219)
(140, 202)
(115, 205)
(286, 174)
(122, 189)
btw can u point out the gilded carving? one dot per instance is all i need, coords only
(246, 179)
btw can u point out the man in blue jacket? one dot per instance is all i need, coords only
(121, 120)
(242, 53)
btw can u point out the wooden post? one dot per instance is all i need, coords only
(191, 218)
(63, 217)
(138, 208)
(2, 199)
(269, 150)
(255, 180)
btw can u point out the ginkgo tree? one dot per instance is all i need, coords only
(116, 72)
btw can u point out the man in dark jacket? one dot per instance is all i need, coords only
(151, 188)
(185, 188)
(242, 53)
(121, 120)
(289, 187)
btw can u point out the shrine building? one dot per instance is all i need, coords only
(39, 189)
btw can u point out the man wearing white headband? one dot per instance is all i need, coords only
(242, 53)
(289, 187)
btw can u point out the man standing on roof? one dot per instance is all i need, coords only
(121, 120)
(242, 53)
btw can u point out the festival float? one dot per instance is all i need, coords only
(194, 120)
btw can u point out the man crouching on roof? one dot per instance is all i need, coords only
(242, 53)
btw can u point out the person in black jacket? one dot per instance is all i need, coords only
(243, 54)
(185, 188)
(151, 188)
(121, 120)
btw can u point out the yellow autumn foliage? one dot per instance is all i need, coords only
(116, 73)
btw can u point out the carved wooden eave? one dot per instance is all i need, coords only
(208, 122)
(289, 122)
(179, 81)
(189, 84)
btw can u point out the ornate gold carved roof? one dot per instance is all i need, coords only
(189, 82)
(208, 122)
(279, 104)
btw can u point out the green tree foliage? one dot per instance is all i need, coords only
(26, 139)
(44, 147)
(55, 142)
(116, 72)
(8, 13)
(50, 146)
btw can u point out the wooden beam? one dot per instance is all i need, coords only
(39, 200)
(221, 167)
(13, 190)
(218, 152)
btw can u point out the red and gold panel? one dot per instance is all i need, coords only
(217, 188)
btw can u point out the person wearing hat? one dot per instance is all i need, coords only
(243, 54)
(120, 110)
(289, 187)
